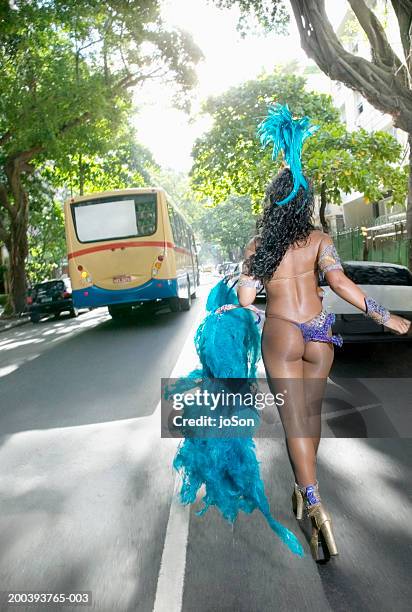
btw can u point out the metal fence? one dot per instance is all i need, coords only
(349, 244)
(385, 243)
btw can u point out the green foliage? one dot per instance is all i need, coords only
(125, 163)
(229, 160)
(177, 186)
(222, 230)
(229, 225)
(47, 244)
(269, 14)
(67, 70)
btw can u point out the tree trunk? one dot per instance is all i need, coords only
(409, 207)
(322, 208)
(18, 243)
(18, 255)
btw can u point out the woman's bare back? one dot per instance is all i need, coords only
(293, 291)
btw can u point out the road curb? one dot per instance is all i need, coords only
(6, 326)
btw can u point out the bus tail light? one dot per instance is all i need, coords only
(84, 274)
(157, 264)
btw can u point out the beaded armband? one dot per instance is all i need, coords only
(248, 282)
(329, 260)
(226, 307)
(376, 312)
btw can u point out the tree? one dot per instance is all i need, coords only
(228, 225)
(124, 163)
(66, 69)
(46, 241)
(177, 186)
(385, 81)
(228, 159)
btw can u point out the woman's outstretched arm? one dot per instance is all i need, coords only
(331, 268)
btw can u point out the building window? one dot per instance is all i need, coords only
(359, 108)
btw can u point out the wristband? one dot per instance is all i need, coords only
(376, 311)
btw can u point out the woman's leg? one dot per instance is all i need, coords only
(317, 362)
(283, 348)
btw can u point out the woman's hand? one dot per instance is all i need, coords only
(398, 324)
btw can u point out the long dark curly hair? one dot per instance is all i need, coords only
(280, 226)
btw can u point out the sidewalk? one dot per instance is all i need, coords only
(6, 324)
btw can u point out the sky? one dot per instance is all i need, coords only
(229, 60)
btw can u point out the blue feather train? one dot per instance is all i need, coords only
(228, 345)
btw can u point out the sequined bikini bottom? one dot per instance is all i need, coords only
(316, 330)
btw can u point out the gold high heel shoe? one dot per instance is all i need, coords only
(297, 502)
(322, 538)
(321, 532)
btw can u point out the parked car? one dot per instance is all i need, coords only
(389, 284)
(235, 272)
(224, 266)
(232, 269)
(51, 297)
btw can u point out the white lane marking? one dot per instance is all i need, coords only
(170, 582)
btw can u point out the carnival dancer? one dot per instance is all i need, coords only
(288, 256)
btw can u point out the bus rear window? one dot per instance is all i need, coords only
(117, 217)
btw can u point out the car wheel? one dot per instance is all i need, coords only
(35, 317)
(185, 303)
(174, 304)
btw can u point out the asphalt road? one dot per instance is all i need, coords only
(86, 484)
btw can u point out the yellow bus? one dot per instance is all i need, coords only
(129, 247)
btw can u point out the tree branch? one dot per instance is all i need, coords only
(383, 89)
(403, 11)
(132, 79)
(382, 52)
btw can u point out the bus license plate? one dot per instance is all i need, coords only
(122, 279)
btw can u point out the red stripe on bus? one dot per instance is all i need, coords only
(119, 245)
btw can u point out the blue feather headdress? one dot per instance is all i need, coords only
(287, 135)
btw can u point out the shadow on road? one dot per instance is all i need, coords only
(108, 372)
(371, 510)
